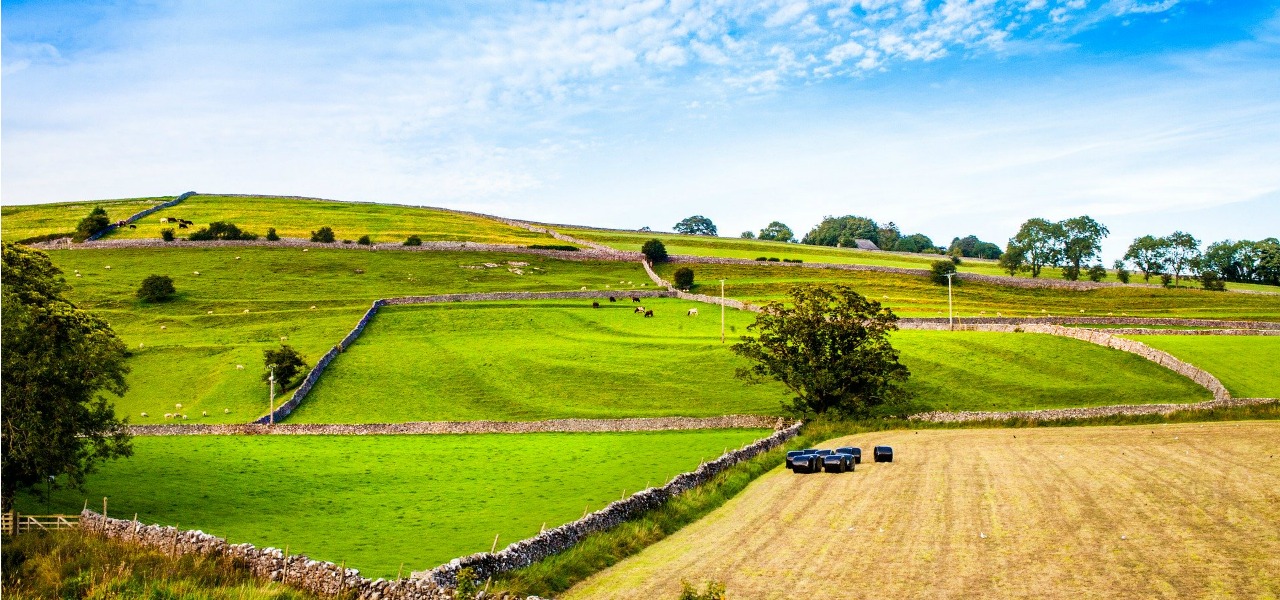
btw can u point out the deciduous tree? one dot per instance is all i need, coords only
(289, 366)
(843, 231)
(1147, 253)
(696, 225)
(1182, 250)
(777, 232)
(1039, 242)
(1080, 242)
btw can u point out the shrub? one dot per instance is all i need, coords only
(683, 278)
(1212, 282)
(1097, 273)
(347, 242)
(655, 251)
(413, 241)
(1121, 273)
(364, 241)
(773, 259)
(1166, 280)
(468, 583)
(1071, 273)
(713, 591)
(166, 234)
(762, 258)
(955, 259)
(792, 260)
(272, 236)
(220, 230)
(156, 288)
(95, 222)
(563, 247)
(939, 270)
(323, 235)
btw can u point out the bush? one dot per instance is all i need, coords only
(683, 278)
(655, 251)
(1071, 273)
(562, 247)
(272, 236)
(166, 234)
(773, 259)
(220, 230)
(1213, 282)
(1166, 280)
(95, 222)
(468, 583)
(792, 260)
(156, 288)
(323, 235)
(955, 260)
(1097, 273)
(713, 591)
(762, 258)
(939, 270)
(413, 240)
(364, 241)
(1121, 273)
(347, 242)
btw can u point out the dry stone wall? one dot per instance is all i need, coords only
(470, 427)
(1057, 414)
(1148, 321)
(139, 215)
(553, 541)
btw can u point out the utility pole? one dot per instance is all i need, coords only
(271, 404)
(721, 311)
(950, 313)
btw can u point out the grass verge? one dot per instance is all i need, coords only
(602, 550)
(71, 564)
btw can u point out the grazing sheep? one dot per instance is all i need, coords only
(237, 258)
(77, 274)
(209, 313)
(304, 249)
(284, 337)
(584, 287)
(648, 313)
(239, 367)
(639, 309)
(168, 415)
(108, 267)
(226, 411)
(178, 406)
(246, 310)
(204, 413)
(196, 273)
(139, 344)
(184, 417)
(313, 307)
(145, 414)
(693, 312)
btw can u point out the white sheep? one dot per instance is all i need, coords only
(284, 337)
(196, 273)
(144, 414)
(108, 267)
(139, 344)
(304, 249)
(237, 258)
(239, 367)
(313, 307)
(204, 413)
(77, 274)
(178, 406)
(209, 313)
(168, 415)
(693, 312)
(246, 310)
(184, 417)
(226, 411)
(164, 327)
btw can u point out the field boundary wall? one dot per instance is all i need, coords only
(286, 408)
(329, 579)
(468, 427)
(1058, 414)
(139, 215)
(553, 541)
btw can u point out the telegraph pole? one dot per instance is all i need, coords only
(721, 311)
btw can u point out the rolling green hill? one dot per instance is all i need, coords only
(24, 221)
(1247, 365)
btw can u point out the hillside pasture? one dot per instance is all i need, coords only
(1248, 365)
(377, 502)
(186, 351)
(563, 359)
(1116, 512)
(297, 218)
(22, 221)
(917, 296)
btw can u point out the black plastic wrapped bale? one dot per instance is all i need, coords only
(807, 463)
(792, 454)
(883, 454)
(834, 463)
(849, 459)
(824, 452)
(856, 453)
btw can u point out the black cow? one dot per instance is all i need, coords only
(595, 305)
(635, 299)
(648, 313)
(612, 299)
(133, 227)
(182, 225)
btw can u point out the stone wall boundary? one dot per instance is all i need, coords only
(571, 425)
(139, 215)
(553, 541)
(1058, 414)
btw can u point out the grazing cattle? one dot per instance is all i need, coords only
(635, 299)
(133, 227)
(182, 225)
(639, 309)
(648, 313)
(164, 219)
(121, 223)
(595, 305)
(693, 312)
(612, 299)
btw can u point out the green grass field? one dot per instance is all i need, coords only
(297, 218)
(193, 359)
(525, 361)
(1248, 365)
(912, 296)
(379, 501)
(539, 360)
(24, 221)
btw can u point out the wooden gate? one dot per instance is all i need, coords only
(15, 523)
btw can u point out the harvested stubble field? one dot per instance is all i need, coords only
(1248, 365)
(917, 296)
(1088, 512)
(186, 350)
(559, 359)
(377, 501)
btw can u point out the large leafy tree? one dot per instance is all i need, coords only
(1147, 253)
(843, 231)
(970, 246)
(830, 347)
(696, 225)
(916, 242)
(56, 360)
(1183, 251)
(1081, 242)
(1039, 242)
(95, 222)
(778, 232)
(289, 366)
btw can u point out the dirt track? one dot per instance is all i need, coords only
(1102, 512)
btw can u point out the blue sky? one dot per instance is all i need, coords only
(948, 118)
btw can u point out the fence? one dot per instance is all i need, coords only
(13, 523)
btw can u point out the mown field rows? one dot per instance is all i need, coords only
(1089, 512)
(557, 359)
(919, 297)
(1248, 365)
(378, 501)
(187, 350)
